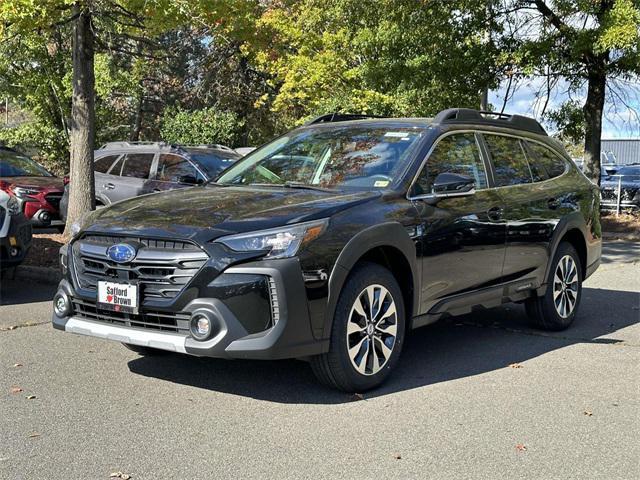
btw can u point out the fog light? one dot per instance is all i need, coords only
(61, 305)
(200, 326)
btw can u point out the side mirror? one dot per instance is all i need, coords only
(453, 184)
(188, 179)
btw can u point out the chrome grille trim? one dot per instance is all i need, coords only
(160, 272)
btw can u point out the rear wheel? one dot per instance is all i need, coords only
(367, 334)
(557, 308)
(145, 351)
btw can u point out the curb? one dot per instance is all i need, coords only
(46, 275)
(626, 237)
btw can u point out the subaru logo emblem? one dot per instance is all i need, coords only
(121, 253)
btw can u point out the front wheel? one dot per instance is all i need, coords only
(557, 308)
(367, 334)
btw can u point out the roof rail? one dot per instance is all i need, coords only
(209, 145)
(127, 143)
(340, 117)
(496, 119)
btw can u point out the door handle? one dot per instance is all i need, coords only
(494, 214)
(157, 190)
(553, 203)
(109, 186)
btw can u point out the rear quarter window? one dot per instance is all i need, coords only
(545, 163)
(509, 161)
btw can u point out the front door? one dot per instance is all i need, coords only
(463, 237)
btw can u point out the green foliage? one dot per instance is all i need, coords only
(389, 57)
(201, 127)
(43, 141)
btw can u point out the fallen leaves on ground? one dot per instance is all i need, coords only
(17, 365)
(34, 435)
(515, 365)
(397, 456)
(15, 390)
(123, 476)
(520, 447)
(357, 396)
(30, 397)
(588, 413)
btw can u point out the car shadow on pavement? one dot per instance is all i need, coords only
(455, 348)
(18, 291)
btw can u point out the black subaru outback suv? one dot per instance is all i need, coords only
(334, 240)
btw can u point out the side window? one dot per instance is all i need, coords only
(137, 165)
(174, 168)
(509, 160)
(102, 165)
(456, 153)
(546, 162)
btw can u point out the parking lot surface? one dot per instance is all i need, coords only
(480, 396)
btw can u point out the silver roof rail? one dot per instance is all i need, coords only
(130, 144)
(209, 145)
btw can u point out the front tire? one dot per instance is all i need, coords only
(556, 309)
(367, 333)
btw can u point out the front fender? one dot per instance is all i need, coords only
(390, 234)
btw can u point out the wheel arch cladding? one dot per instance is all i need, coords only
(575, 237)
(387, 244)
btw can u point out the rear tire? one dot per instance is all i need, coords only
(556, 309)
(145, 351)
(367, 333)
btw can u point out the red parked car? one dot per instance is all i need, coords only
(37, 190)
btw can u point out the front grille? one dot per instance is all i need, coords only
(54, 200)
(163, 321)
(161, 268)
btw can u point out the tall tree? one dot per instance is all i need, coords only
(585, 46)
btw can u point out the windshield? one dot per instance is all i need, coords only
(213, 162)
(12, 164)
(354, 156)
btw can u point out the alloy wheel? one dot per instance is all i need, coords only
(372, 329)
(565, 286)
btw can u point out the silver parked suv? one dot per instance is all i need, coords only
(128, 169)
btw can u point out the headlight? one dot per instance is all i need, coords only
(24, 192)
(279, 242)
(13, 206)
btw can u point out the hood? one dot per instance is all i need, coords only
(214, 211)
(55, 183)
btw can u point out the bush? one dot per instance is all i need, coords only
(201, 127)
(46, 144)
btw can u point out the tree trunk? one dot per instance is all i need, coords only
(82, 187)
(137, 125)
(593, 110)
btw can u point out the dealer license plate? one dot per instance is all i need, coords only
(119, 297)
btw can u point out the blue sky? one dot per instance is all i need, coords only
(621, 119)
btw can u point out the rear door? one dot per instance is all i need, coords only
(133, 170)
(103, 177)
(463, 237)
(533, 202)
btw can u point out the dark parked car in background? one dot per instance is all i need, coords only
(627, 177)
(128, 169)
(37, 190)
(334, 240)
(15, 232)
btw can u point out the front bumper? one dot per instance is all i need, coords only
(289, 337)
(15, 245)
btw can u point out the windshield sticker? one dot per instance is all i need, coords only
(402, 135)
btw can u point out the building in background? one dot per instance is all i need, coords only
(621, 151)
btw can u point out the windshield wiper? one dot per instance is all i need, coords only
(301, 186)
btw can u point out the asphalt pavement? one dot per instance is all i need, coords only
(481, 396)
